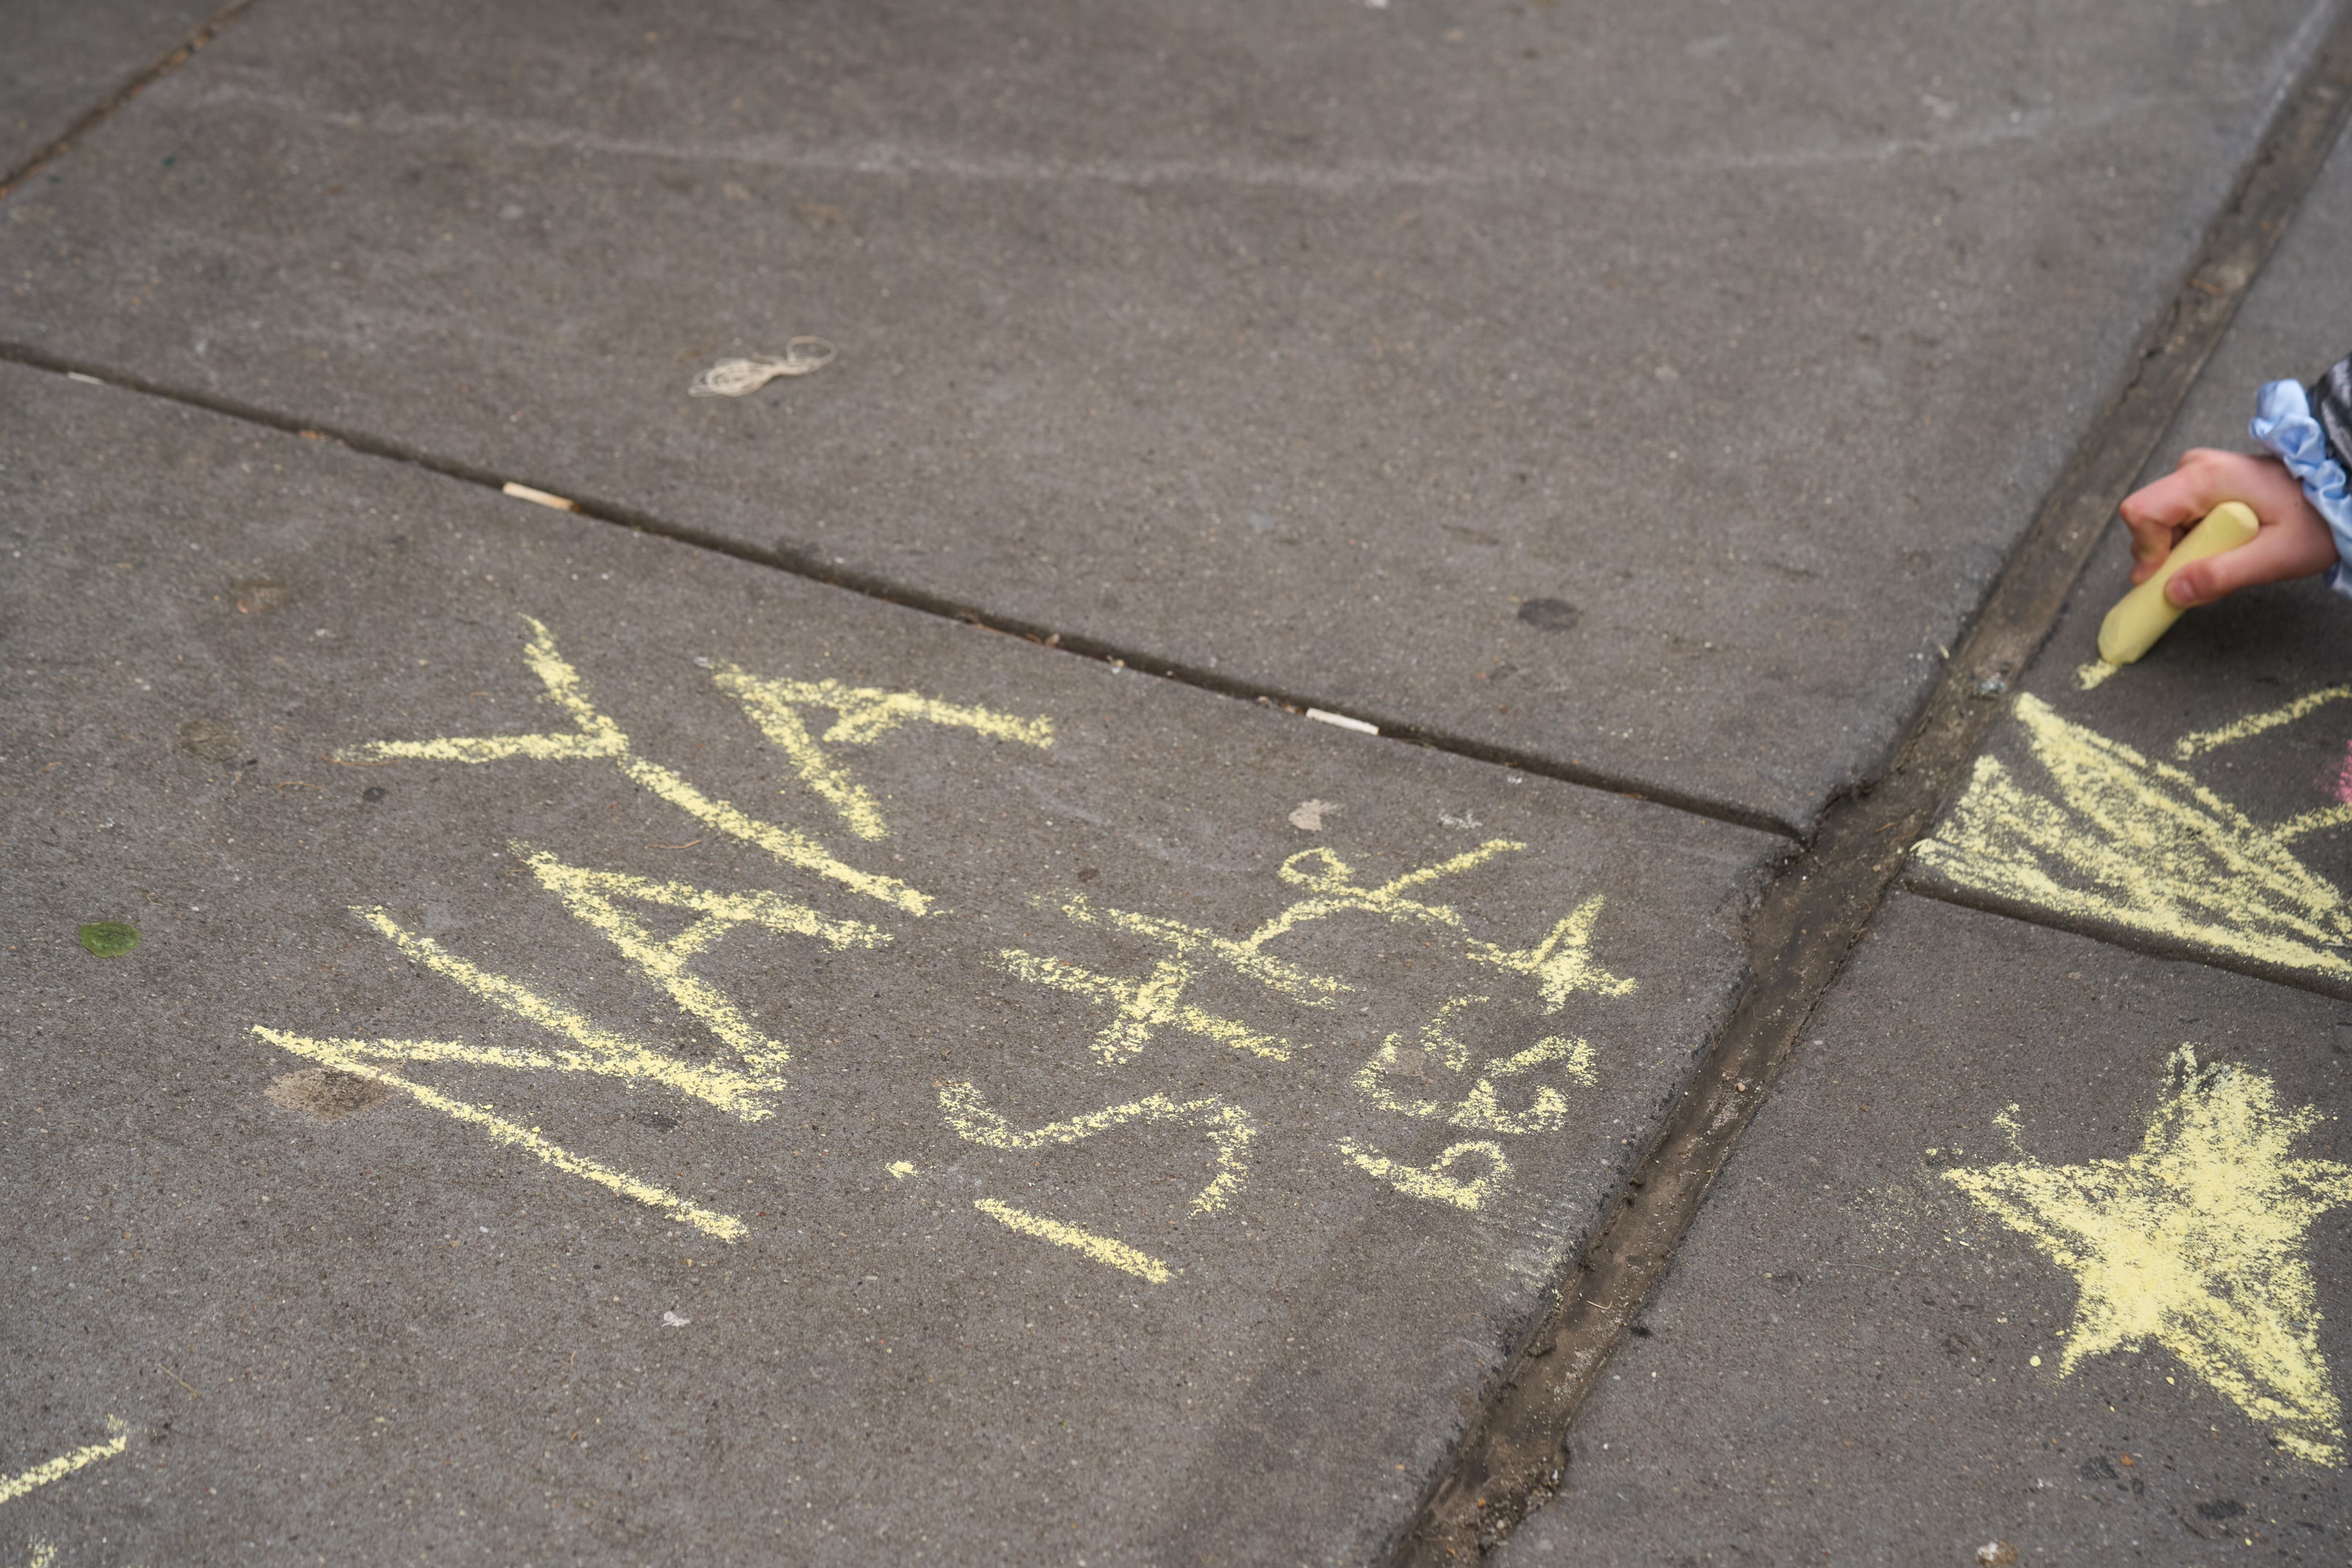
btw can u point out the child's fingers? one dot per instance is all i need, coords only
(2158, 514)
(2271, 556)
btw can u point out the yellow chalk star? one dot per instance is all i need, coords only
(2196, 1242)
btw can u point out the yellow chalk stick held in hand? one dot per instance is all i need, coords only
(2143, 615)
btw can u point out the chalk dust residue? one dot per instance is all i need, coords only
(326, 1093)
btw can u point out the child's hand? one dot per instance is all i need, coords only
(2293, 541)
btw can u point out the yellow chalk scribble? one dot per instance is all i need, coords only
(1437, 1043)
(596, 736)
(43, 1553)
(63, 1464)
(590, 896)
(1101, 1249)
(2094, 675)
(865, 714)
(1228, 1127)
(1561, 963)
(2196, 1242)
(1433, 1183)
(599, 1050)
(453, 1051)
(2117, 838)
(2254, 724)
(1140, 1008)
(1331, 889)
(2325, 817)
(1482, 1110)
(351, 1057)
(1244, 957)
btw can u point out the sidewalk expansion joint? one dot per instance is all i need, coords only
(2148, 943)
(1516, 1453)
(98, 113)
(1373, 725)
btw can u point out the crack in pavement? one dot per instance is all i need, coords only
(103, 110)
(873, 585)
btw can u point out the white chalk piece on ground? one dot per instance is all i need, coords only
(672, 1321)
(539, 498)
(740, 377)
(1321, 717)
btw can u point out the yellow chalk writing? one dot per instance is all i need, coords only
(1434, 1184)
(2115, 837)
(453, 1051)
(590, 896)
(598, 1050)
(2196, 1243)
(866, 713)
(1246, 957)
(63, 1464)
(2253, 724)
(1101, 1249)
(1228, 1128)
(1482, 1110)
(1332, 891)
(1437, 1043)
(1140, 1008)
(350, 1056)
(597, 736)
(1562, 962)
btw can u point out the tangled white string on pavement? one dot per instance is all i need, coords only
(737, 377)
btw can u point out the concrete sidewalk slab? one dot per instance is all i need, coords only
(2195, 800)
(60, 60)
(2036, 1255)
(1654, 397)
(634, 1057)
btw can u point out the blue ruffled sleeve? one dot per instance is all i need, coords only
(2285, 423)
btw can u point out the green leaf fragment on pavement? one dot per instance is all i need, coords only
(109, 939)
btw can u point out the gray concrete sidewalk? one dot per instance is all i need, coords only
(1652, 393)
(638, 1048)
(62, 61)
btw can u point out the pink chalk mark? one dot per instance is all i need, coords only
(2344, 778)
